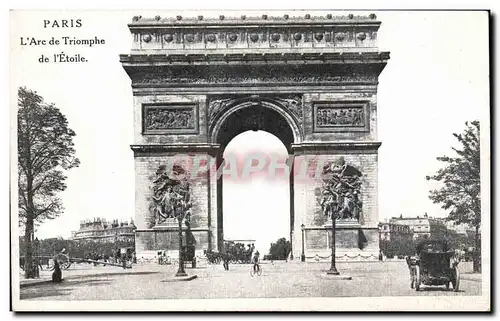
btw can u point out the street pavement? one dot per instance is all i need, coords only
(279, 280)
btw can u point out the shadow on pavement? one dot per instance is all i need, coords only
(61, 289)
(437, 289)
(86, 276)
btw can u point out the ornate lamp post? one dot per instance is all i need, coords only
(180, 271)
(333, 268)
(303, 256)
(340, 198)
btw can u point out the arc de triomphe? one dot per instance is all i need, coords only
(310, 80)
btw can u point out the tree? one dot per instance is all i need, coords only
(45, 151)
(460, 192)
(280, 250)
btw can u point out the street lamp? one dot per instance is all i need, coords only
(333, 268)
(303, 256)
(180, 216)
(180, 271)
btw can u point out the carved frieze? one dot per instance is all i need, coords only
(349, 116)
(341, 116)
(170, 118)
(271, 75)
(249, 38)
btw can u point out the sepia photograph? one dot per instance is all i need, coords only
(251, 160)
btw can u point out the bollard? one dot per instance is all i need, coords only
(193, 263)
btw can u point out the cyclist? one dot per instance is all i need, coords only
(255, 261)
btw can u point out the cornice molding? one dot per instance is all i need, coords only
(336, 147)
(307, 32)
(252, 57)
(244, 20)
(147, 150)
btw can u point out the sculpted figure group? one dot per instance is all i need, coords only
(171, 195)
(169, 119)
(340, 116)
(341, 191)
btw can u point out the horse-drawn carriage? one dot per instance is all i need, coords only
(124, 255)
(434, 264)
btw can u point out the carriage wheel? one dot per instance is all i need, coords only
(412, 277)
(417, 278)
(456, 281)
(62, 259)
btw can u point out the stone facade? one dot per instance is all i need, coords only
(395, 232)
(422, 227)
(310, 81)
(100, 230)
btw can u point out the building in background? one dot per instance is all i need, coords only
(460, 229)
(395, 232)
(422, 226)
(100, 230)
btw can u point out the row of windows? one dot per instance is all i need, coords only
(102, 234)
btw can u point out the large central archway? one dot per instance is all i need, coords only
(254, 113)
(256, 207)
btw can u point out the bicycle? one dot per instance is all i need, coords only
(252, 270)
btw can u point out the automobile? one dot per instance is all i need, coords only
(434, 264)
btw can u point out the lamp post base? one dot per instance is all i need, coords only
(181, 278)
(303, 258)
(336, 277)
(181, 274)
(333, 271)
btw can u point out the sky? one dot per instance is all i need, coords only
(437, 78)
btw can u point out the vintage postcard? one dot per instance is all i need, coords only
(259, 160)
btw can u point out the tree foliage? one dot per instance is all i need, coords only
(460, 192)
(45, 151)
(397, 248)
(280, 250)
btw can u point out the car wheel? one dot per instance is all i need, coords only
(412, 277)
(456, 284)
(417, 278)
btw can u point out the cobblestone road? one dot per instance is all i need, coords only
(277, 281)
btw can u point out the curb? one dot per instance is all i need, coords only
(49, 281)
(35, 283)
(470, 279)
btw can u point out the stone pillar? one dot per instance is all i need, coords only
(152, 236)
(355, 240)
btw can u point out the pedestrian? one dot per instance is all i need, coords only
(57, 274)
(225, 259)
